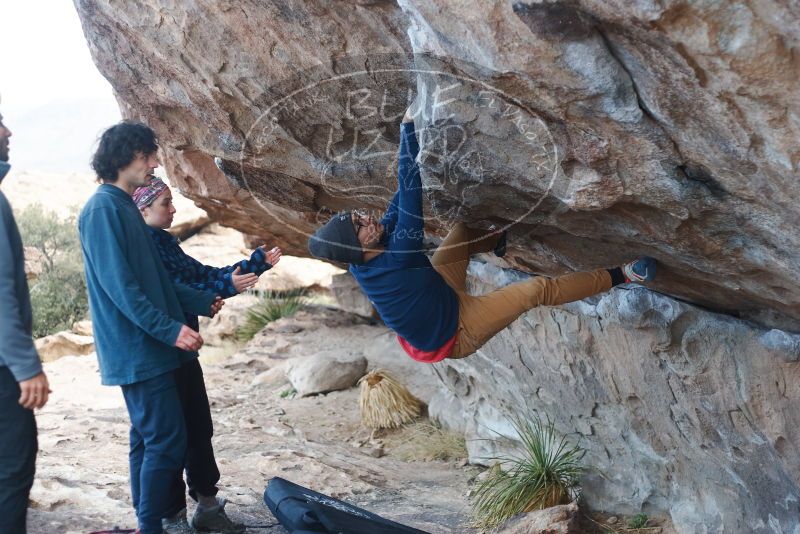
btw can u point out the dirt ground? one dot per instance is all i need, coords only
(82, 472)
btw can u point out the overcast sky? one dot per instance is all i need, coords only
(53, 98)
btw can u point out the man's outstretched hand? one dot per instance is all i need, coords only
(34, 392)
(217, 305)
(188, 339)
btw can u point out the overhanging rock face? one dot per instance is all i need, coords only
(681, 410)
(601, 131)
(597, 131)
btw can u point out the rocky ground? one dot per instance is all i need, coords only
(260, 432)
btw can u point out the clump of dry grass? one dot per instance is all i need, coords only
(385, 402)
(425, 441)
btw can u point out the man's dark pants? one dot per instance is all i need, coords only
(202, 473)
(158, 446)
(18, 447)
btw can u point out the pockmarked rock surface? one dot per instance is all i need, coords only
(682, 411)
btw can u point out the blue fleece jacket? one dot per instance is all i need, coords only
(17, 351)
(184, 269)
(137, 311)
(410, 296)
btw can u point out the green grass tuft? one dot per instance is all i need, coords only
(288, 393)
(271, 306)
(545, 473)
(638, 521)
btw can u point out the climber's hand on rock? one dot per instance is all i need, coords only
(243, 282)
(188, 339)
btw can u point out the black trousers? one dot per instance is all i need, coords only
(202, 473)
(18, 447)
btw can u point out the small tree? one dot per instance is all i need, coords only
(58, 295)
(44, 231)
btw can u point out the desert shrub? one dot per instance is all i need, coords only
(58, 294)
(271, 306)
(427, 441)
(544, 473)
(638, 521)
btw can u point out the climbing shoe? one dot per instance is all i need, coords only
(500, 247)
(216, 520)
(641, 270)
(177, 524)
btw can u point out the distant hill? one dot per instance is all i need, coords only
(60, 136)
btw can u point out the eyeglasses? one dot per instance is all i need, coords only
(357, 217)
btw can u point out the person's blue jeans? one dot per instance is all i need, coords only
(158, 446)
(18, 447)
(202, 473)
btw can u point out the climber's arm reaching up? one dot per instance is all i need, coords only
(408, 231)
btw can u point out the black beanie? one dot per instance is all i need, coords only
(337, 241)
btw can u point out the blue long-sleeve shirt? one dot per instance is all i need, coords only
(17, 351)
(137, 310)
(184, 269)
(410, 296)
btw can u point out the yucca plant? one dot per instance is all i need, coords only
(271, 306)
(545, 473)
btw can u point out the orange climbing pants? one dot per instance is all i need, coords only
(480, 318)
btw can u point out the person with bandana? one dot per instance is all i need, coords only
(23, 384)
(154, 201)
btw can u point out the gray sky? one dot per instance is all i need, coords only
(53, 98)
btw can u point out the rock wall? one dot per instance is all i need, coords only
(596, 131)
(681, 410)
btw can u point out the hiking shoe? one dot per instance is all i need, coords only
(641, 270)
(500, 247)
(177, 524)
(215, 519)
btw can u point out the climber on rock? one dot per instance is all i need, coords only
(425, 300)
(154, 201)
